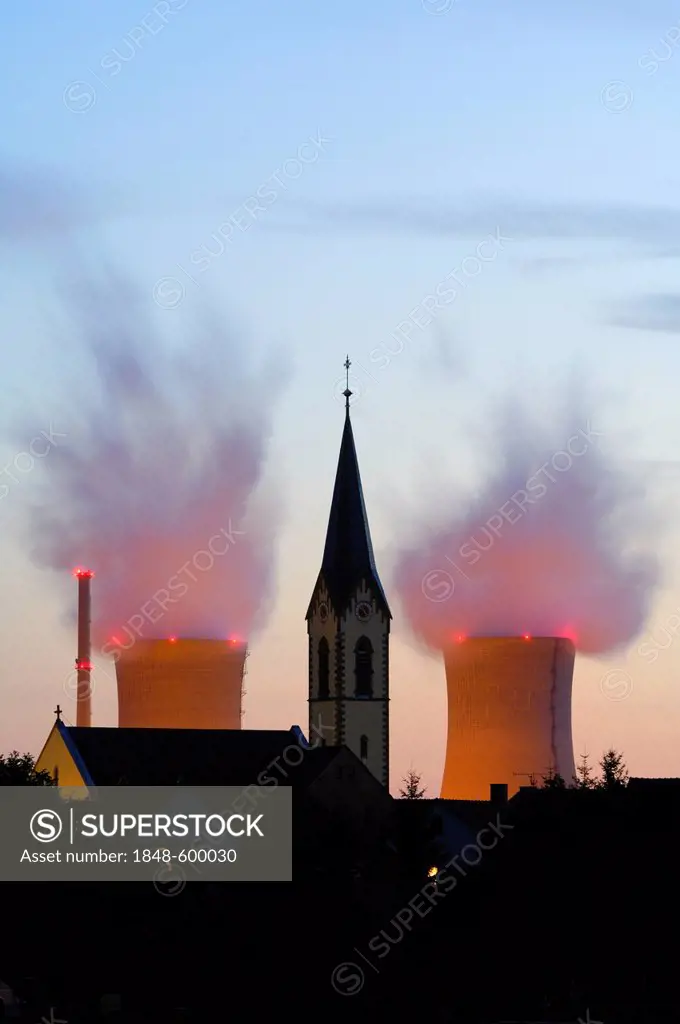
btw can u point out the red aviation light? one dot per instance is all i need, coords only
(84, 665)
(527, 637)
(235, 640)
(460, 638)
(81, 573)
(172, 639)
(568, 633)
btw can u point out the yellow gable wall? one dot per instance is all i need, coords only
(55, 754)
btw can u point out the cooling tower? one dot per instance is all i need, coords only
(180, 684)
(509, 712)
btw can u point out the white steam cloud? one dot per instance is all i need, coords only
(558, 541)
(158, 489)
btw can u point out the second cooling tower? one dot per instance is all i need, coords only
(181, 684)
(509, 713)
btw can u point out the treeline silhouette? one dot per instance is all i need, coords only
(573, 912)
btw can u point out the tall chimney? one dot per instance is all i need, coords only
(83, 661)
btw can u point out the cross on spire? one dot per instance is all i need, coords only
(57, 712)
(347, 393)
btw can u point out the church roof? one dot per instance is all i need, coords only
(348, 554)
(190, 757)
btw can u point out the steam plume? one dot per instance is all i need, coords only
(156, 489)
(37, 204)
(551, 545)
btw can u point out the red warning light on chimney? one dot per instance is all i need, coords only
(83, 574)
(172, 639)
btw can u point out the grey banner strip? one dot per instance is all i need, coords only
(160, 834)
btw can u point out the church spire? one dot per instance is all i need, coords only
(348, 626)
(348, 553)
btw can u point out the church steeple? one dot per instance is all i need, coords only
(348, 622)
(348, 553)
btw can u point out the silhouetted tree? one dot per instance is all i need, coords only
(412, 790)
(614, 773)
(584, 778)
(553, 780)
(19, 770)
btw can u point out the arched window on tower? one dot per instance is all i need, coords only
(363, 748)
(324, 668)
(363, 667)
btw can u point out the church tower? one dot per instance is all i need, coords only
(348, 623)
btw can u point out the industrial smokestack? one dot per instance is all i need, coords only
(509, 712)
(83, 661)
(180, 684)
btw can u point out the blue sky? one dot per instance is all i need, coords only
(538, 120)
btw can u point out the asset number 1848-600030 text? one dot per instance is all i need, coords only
(191, 856)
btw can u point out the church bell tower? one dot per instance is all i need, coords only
(348, 624)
